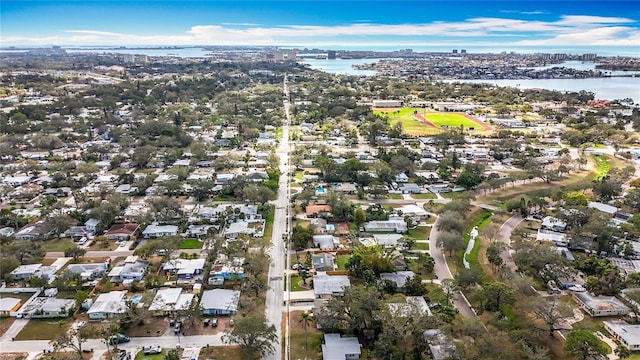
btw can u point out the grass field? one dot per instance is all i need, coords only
(41, 329)
(416, 122)
(58, 244)
(221, 353)
(409, 124)
(602, 167)
(452, 120)
(426, 196)
(191, 244)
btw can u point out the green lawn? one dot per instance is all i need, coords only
(602, 166)
(222, 353)
(295, 280)
(224, 198)
(427, 196)
(57, 244)
(409, 124)
(42, 329)
(421, 245)
(635, 356)
(481, 220)
(191, 244)
(451, 120)
(419, 233)
(140, 356)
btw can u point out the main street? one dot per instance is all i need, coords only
(275, 293)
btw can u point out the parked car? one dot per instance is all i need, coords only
(206, 322)
(151, 350)
(177, 327)
(214, 322)
(172, 322)
(118, 339)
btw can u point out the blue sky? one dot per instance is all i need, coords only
(322, 23)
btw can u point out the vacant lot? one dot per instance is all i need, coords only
(221, 353)
(41, 329)
(191, 244)
(58, 244)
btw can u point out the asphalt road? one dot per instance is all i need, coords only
(504, 236)
(275, 293)
(167, 341)
(443, 272)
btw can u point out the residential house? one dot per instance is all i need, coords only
(128, 271)
(37, 231)
(336, 347)
(399, 277)
(399, 226)
(188, 271)
(47, 307)
(627, 334)
(9, 305)
(600, 305)
(346, 188)
(410, 188)
(88, 271)
(602, 207)
(228, 269)
(325, 242)
(387, 240)
(408, 308)
(76, 232)
(314, 210)
(91, 225)
(108, 305)
(167, 301)
(553, 224)
(156, 231)
(123, 232)
(23, 272)
(402, 178)
(325, 285)
(224, 178)
(323, 262)
(220, 302)
(319, 225)
(252, 228)
(414, 211)
(441, 346)
(16, 180)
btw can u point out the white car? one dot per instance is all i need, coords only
(152, 350)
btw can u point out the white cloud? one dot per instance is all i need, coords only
(568, 30)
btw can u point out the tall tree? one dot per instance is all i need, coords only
(584, 345)
(70, 339)
(254, 335)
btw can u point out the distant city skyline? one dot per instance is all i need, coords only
(323, 23)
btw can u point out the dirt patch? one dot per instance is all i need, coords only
(13, 356)
(152, 327)
(5, 324)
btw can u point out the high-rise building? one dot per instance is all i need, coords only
(129, 58)
(278, 56)
(455, 51)
(463, 51)
(331, 54)
(292, 55)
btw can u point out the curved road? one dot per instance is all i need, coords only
(443, 272)
(504, 236)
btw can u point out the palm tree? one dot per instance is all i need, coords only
(306, 319)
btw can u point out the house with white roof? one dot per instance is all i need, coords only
(108, 305)
(128, 271)
(220, 302)
(628, 335)
(325, 285)
(156, 231)
(47, 307)
(187, 270)
(336, 347)
(170, 300)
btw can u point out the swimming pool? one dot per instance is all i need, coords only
(136, 299)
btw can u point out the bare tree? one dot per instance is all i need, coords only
(552, 312)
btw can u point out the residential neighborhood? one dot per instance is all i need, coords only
(191, 205)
